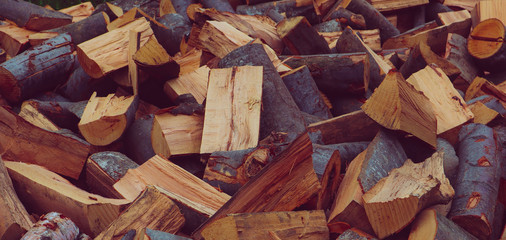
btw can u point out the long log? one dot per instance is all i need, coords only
(31, 16)
(86, 29)
(37, 70)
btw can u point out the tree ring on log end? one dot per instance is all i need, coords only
(486, 39)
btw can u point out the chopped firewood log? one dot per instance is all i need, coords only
(348, 18)
(129, 17)
(42, 191)
(137, 139)
(79, 11)
(174, 28)
(37, 70)
(486, 46)
(221, 38)
(301, 38)
(431, 225)
(194, 83)
(305, 93)
(482, 114)
(397, 105)
(370, 37)
(421, 56)
(104, 169)
(347, 152)
(329, 180)
(481, 86)
(412, 187)
(31, 16)
(387, 5)
(331, 26)
(173, 134)
(133, 47)
(269, 225)
(22, 141)
(383, 154)
(107, 52)
(152, 209)
(220, 5)
(477, 181)
(491, 102)
(86, 29)
(14, 39)
(232, 115)
(463, 4)
(279, 111)
(38, 38)
(484, 10)
(105, 119)
(15, 219)
(457, 54)
(35, 117)
(62, 114)
(355, 234)
(449, 108)
(397, 41)
(53, 225)
(167, 175)
(335, 73)
(276, 187)
(279, 6)
(153, 58)
(111, 10)
(457, 17)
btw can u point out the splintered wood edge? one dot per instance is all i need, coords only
(425, 226)
(486, 39)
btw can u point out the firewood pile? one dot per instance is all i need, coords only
(293, 119)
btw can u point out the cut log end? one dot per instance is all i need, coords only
(89, 66)
(425, 226)
(9, 88)
(477, 226)
(486, 39)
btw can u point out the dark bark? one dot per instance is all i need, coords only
(347, 152)
(433, 8)
(220, 5)
(85, 29)
(301, 38)
(328, 26)
(31, 16)
(138, 139)
(170, 38)
(348, 18)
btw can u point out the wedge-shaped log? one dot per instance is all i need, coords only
(37, 70)
(301, 38)
(430, 225)
(176, 134)
(31, 16)
(152, 209)
(42, 191)
(457, 54)
(232, 115)
(14, 39)
(105, 119)
(278, 225)
(396, 199)
(397, 105)
(169, 176)
(383, 154)
(24, 142)
(482, 113)
(221, 38)
(477, 181)
(450, 109)
(108, 52)
(480, 86)
(53, 225)
(153, 59)
(194, 83)
(421, 56)
(277, 187)
(15, 218)
(486, 45)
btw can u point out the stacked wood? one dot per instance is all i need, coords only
(31, 16)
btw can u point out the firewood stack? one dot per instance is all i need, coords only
(293, 119)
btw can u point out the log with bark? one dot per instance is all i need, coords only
(14, 39)
(86, 29)
(300, 37)
(53, 225)
(194, 82)
(431, 225)
(154, 60)
(486, 45)
(31, 16)
(457, 54)
(79, 11)
(421, 56)
(171, 35)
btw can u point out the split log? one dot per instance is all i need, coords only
(174, 134)
(111, 10)
(431, 225)
(355, 234)
(13, 39)
(486, 45)
(449, 108)
(387, 5)
(221, 38)
(481, 86)
(112, 54)
(347, 152)
(33, 116)
(31, 16)
(129, 17)
(305, 93)
(477, 182)
(484, 10)
(22, 141)
(63, 114)
(152, 209)
(277, 225)
(276, 187)
(37, 70)
(53, 225)
(370, 37)
(15, 218)
(348, 18)
(336, 73)
(412, 188)
(149, 7)
(397, 41)
(220, 5)
(279, 6)
(301, 38)
(79, 11)
(137, 139)
(42, 191)
(280, 113)
(329, 180)
(86, 29)
(170, 37)
(490, 102)
(397, 105)
(175, 6)
(38, 38)
(383, 154)
(194, 83)
(421, 56)
(457, 54)
(80, 86)
(482, 114)
(153, 59)
(104, 169)
(167, 175)
(105, 119)
(463, 4)
(159, 235)
(232, 115)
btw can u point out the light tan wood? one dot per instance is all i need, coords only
(133, 72)
(166, 7)
(108, 52)
(176, 134)
(448, 106)
(284, 225)
(152, 209)
(152, 53)
(194, 83)
(221, 38)
(448, 18)
(15, 218)
(105, 119)
(395, 200)
(14, 39)
(371, 38)
(480, 86)
(115, 9)
(79, 11)
(38, 38)
(33, 116)
(464, 4)
(167, 175)
(44, 191)
(189, 62)
(389, 5)
(397, 105)
(482, 114)
(486, 9)
(430, 225)
(232, 114)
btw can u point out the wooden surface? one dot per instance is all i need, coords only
(430, 225)
(232, 114)
(14, 39)
(221, 38)
(389, 5)
(53, 225)
(79, 11)
(194, 82)
(176, 134)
